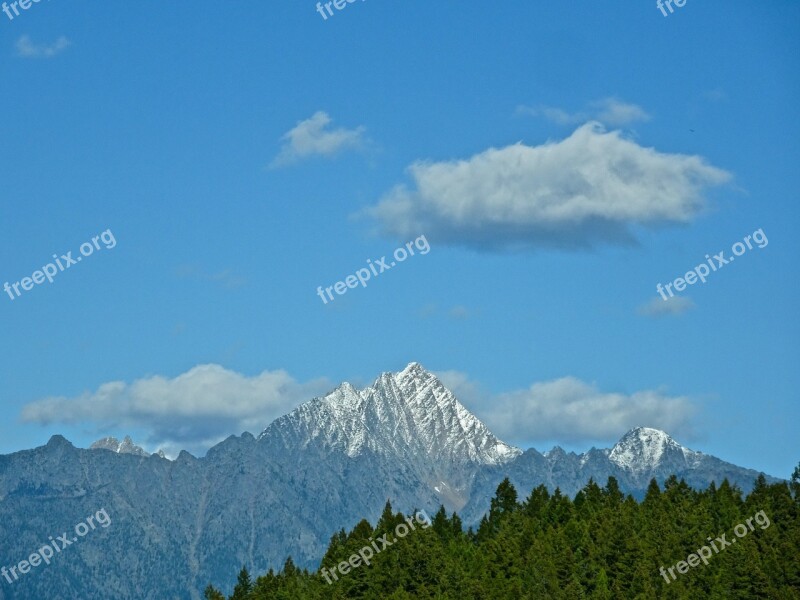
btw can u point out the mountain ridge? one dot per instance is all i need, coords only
(324, 466)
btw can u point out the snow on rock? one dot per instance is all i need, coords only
(644, 449)
(409, 413)
(126, 446)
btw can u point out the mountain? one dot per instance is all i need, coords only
(407, 418)
(640, 455)
(126, 446)
(177, 525)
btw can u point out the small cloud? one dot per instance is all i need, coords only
(459, 312)
(715, 95)
(592, 188)
(27, 49)
(427, 311)
(226, 278)
(617, 113)
(432, 310)
(658, 307)
(313, 137)
(609, 111)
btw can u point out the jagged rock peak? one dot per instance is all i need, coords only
(405, 413)
(644, 448)
(126, 446)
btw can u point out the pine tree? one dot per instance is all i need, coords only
(795, 484)
(243, 586)
(289, 570)
(212, 593)
(388, 519)
(440, 524)
(456, 526)
(537, 501)
(601, 588)
(504, 501)
(602, 545)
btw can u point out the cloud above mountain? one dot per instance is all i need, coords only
(206, 404)
(570, 410)
(595, 187)
(191, 411)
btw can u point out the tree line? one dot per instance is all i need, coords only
(600, 545)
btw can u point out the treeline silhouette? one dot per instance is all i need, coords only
(601, 545)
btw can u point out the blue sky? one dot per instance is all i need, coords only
(559, 161)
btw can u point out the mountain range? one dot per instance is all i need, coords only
(178, 524)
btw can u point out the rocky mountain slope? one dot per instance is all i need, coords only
(176, 525)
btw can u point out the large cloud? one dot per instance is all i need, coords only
(590, 188)
(571, 411)
(191, 411)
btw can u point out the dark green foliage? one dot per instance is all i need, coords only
(243, 585)
(211, 593)
(601, 545)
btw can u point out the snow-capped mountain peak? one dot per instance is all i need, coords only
(410, 413)
(126, 446)
(644, 449)
(408, 417)
(414, 369)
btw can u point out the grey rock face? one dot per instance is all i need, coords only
(178, 525)
(641, 455)
(126, 446)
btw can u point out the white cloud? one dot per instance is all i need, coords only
(470, 393)
(658, 307)
(590, 188)
(571, 411)
(27, 49)
(313, 137)
(459, 312)
(616, 113)
(192, 411)
(609, 111)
